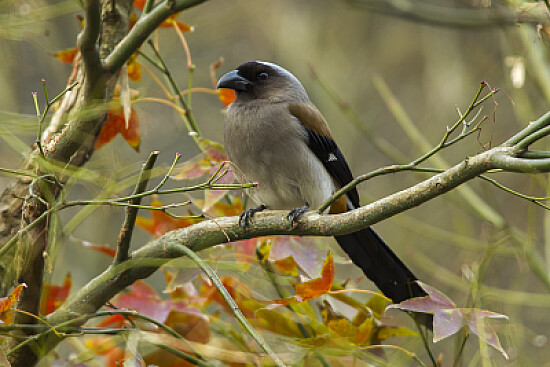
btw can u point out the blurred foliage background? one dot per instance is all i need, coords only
(479, 251)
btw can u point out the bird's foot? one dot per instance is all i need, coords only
(246, 215)
(296, 213)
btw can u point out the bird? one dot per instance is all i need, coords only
(277, 137)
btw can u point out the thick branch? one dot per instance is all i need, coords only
(143, 29)
(87, 40)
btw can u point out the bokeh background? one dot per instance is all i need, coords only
(458, 243)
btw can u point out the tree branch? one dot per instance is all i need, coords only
(87, 40)
(452, 16)
(143, 29)
(146, 260)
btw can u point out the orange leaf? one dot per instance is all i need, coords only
(53, 295)
(132, 133)
(104, 250)
(169, 23)
(140, 4)
(116, 124)
(5, 304)
(318, 286)
(162, 222)
(14, 295)
(66, 55)
(221, 209)
(226, 96)
(287, 266)
(134, 69)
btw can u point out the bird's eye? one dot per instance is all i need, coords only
(262, 76)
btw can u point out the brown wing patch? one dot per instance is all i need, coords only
(311, 118)
(339, 206)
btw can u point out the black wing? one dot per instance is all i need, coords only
(332, 158)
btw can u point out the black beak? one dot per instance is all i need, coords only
(233, 80)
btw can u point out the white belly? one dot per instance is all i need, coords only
(274, 154)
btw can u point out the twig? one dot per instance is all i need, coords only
(186, 357)
(424, 336)
(461, 349)
(148, 7)
(444, 143)
(533, 199)
(188, 118)
(125, 236)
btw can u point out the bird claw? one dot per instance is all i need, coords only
(246, 216)
(296, 213)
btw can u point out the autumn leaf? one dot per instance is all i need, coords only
(449, 319)
(109, 251)
(160, 222)
(310, 289)
(106, 346)
(171, 20)
(211, 163)
(238, 291)
(226, 96)
(287, 266)
(245, 252)
(316, 287)
(222, 209)
(281, 321)
(139, 4)
(143, 299)
(7, 302)
(54, 295)
(204, 163)
(308, 253)
(66, 55)
(116, 124)
(133, 68)
(360, 334)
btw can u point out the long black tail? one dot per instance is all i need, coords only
(379, 263)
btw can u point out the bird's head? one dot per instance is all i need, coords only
(259, 80)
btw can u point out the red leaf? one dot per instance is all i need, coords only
(144, 300)
(139, 4)
(54, 295)
(99, 248)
